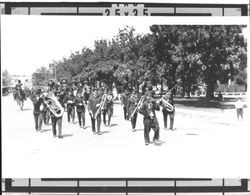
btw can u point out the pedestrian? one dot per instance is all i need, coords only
(150, 121)
(239, 105)
(94, 104)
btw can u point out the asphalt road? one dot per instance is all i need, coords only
(205, 143)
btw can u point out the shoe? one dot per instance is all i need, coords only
(99, 133)
(84, 127)
(109, 125)
(133, 130)
(157, 142)
(146, 143)
(60, 137)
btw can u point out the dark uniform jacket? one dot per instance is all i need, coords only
(36, 102)
(69, 100)
(80, 104)
(93, 101)
(110, 105)
(145, 110)
(132, 104)
(124, 100)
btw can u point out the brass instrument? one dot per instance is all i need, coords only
(53, 104)
(100, 108)
(138, 106)
(166, 105)
(109, 97)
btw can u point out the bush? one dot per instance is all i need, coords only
(232, 88)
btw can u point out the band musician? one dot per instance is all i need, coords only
(37, 101)
(132, 109)
(150, 121)
(168, 110)
(94, 111)
(80, 103)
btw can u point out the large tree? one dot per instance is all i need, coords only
(6, 79)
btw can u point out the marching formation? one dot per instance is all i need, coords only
(78, 99)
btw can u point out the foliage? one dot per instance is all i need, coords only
(6, 79)
(187, 55)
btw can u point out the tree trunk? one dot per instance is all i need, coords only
(188, 91)
(209, 93)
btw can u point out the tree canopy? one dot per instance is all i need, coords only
(189, 55)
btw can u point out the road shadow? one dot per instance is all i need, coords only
(67, 135)
(168, 129)
(191, 134)
(45, 130)
(25, 109)
(138, 130)
(86, 127)
(104, 132)
(113, 125)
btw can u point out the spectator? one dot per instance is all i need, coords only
(239, 108)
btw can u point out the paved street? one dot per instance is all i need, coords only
(205, 143)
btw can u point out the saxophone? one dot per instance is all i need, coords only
(53, 104)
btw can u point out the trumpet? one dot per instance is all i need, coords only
(54, 105)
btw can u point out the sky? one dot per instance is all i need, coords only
(29, 42)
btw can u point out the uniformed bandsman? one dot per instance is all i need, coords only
(69, 100)
(148, 109)
(124, 103)
(93, 105)
(132, 104)
(37, 101)
(167, 112)
(110, 107)
(80, 103)
(60, 95)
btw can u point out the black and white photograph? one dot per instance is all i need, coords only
(124, 97)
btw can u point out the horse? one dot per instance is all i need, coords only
(20, 96)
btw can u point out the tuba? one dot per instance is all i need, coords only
(54, 105)
(166, 105)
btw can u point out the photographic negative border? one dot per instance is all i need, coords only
(8, 182)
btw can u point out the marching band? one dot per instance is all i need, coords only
(100, 104)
